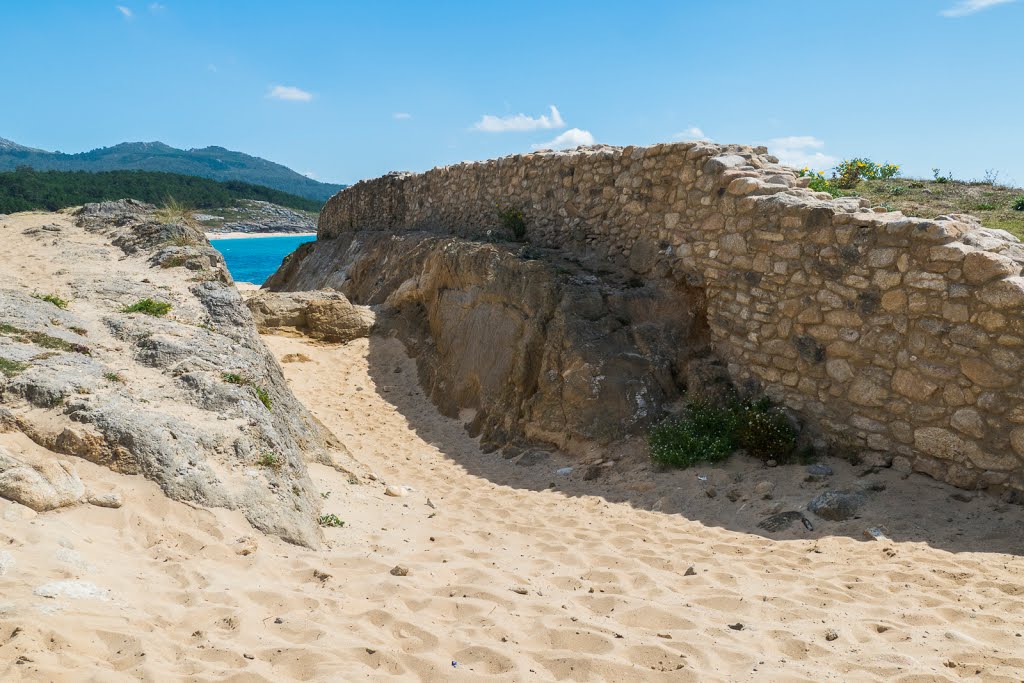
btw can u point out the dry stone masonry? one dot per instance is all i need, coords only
(893, 337)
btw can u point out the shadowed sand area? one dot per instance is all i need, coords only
(508, 578)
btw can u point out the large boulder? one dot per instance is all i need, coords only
(325, 315)
(46, 486)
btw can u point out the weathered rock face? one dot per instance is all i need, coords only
(46, 486)
(879, 329)
(540, 346)
(327, 316)
(192, 400)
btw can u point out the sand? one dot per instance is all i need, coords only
(514, 573)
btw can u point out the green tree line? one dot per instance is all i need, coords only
(26, 190)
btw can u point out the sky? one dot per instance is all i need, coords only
(342, 91)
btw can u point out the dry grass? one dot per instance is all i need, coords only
(174, 212)
(992, 203)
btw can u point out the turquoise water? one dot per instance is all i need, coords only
(254, 259)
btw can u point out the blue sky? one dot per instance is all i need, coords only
(344, 91)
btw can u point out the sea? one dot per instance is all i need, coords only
(254, 259)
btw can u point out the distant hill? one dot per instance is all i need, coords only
(209, 162)
(27, 190)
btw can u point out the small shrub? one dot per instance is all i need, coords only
(709, 433)
(512, 220)
(985, 206)
(331, 520)
(113, 377)
(939, 178)
(896, 190)
(10, 368)
(264, 396)
(1018, 203)
(149, 307)
(271, 460)
(233, 378)
(819, 183)
(53, 299)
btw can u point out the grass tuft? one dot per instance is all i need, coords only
(149, 307)
(10, 368)
(175, 212)
(113, 377)
(53, 299)
(42, 339)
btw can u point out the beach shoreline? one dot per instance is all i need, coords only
(247, 235)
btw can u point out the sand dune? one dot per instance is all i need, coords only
(514, 573)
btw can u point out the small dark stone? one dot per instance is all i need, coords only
(593, 472)
(279, 620)
(532, 458)
(809, 348)
(690, 572)
(248, 656)
(820, 470)
(736, 627)
(837, 505)
(781, 521)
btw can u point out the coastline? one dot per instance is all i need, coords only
(248, 235)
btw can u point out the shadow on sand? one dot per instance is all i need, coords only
(907, 507)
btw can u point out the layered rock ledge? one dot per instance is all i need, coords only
(890, 337)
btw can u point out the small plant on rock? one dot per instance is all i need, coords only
(53, 299)
(264, 396)
(270, 460)
(113, 377)
(233, 378)
(149, 307)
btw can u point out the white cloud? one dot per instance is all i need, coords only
(692, 133)
(289, 93)
(966, 7)
(125, 11)
(401, 116)
(800, 151)
(519, 122)
(574, 137)
(156, 7)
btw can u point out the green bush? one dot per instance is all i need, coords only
(512, 220)
(1018, 203)
(849, 172)
(149, 307)
(705, 432)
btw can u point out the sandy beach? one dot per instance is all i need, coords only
(514, 573)
(254, 235)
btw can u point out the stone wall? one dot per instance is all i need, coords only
(894, 337)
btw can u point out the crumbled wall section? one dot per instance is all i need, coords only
(899, 336)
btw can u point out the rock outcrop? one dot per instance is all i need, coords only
(542, 348)
(891, 337)
(123, 341)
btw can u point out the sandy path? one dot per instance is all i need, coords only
(508, 578)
